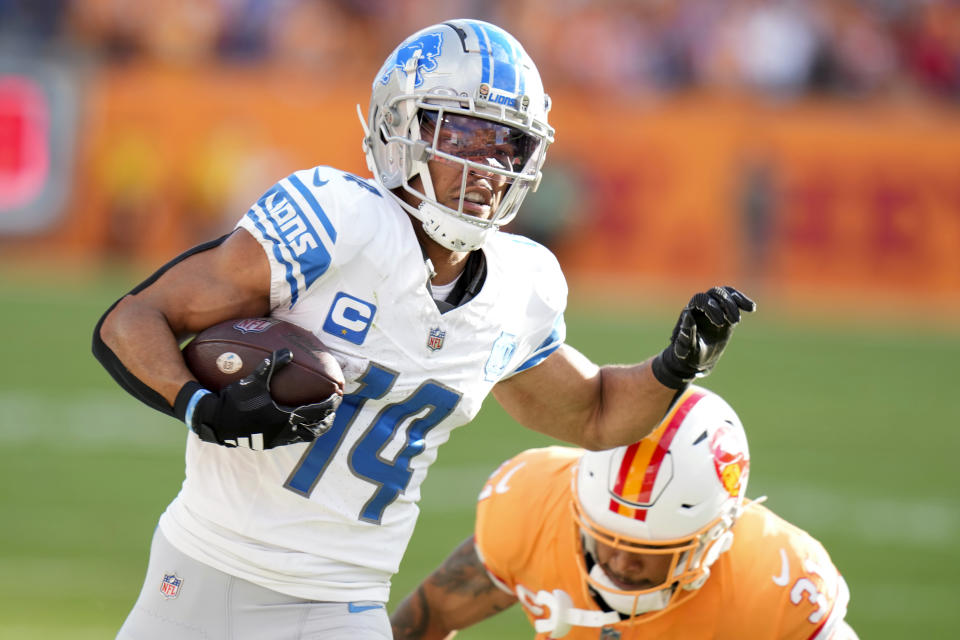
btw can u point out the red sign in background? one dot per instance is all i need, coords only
(24, 141)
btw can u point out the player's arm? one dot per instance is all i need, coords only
(457, 595)
(570, 398)
(144, 329)
(137, 341)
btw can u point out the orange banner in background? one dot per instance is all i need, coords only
(854, 197)
(848, 197)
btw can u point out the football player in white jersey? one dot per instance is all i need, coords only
(428, 308)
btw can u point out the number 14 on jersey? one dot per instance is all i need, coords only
(389, 476)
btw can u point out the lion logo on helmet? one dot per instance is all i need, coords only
(730, 459)
(428, 46)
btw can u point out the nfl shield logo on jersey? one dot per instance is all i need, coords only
(170, 587)
(435, 339)
(609, 633)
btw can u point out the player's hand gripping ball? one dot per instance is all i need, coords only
(272, 382)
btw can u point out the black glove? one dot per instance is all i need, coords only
(702, 331)
(244, 414)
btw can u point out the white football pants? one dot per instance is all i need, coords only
(185, 599)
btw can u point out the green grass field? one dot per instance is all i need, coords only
(854, 435)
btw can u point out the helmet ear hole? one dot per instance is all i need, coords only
(391, 117)
(391, 170)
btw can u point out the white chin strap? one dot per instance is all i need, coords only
(450, 232)
(564, 616)
(629, 604)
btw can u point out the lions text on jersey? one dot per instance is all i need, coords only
(330, 520)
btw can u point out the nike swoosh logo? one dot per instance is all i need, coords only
(317, 182)
(358, 608)
(784, 576)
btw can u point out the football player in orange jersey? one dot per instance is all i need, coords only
(651, 540)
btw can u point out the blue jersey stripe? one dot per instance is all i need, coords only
(548, 346)
(537, 358)
(300, 237)
(315, 206)
(288, 267)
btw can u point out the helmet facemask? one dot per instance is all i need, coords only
(419, 106)
(687, 569)
(453, 136)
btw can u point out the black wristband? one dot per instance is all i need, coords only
(184, 396)
(663, 373)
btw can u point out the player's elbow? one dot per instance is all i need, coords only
(105, 332)
(616, 428)
(594, 432)
(109, 330)
(594, 438)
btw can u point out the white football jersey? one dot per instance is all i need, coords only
(330, 520)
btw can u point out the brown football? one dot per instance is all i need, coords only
(231, 350)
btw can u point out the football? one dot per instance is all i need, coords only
(231, 350)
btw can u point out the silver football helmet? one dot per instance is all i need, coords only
(465, 93)
(676, 494)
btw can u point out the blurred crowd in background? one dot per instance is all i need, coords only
(799, 145)
(777, 47)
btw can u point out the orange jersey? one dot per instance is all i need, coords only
(776, 581)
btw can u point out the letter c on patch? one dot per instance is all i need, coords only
(349, 318)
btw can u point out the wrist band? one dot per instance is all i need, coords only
(665, 375)
(188, 397)
(194, 399)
